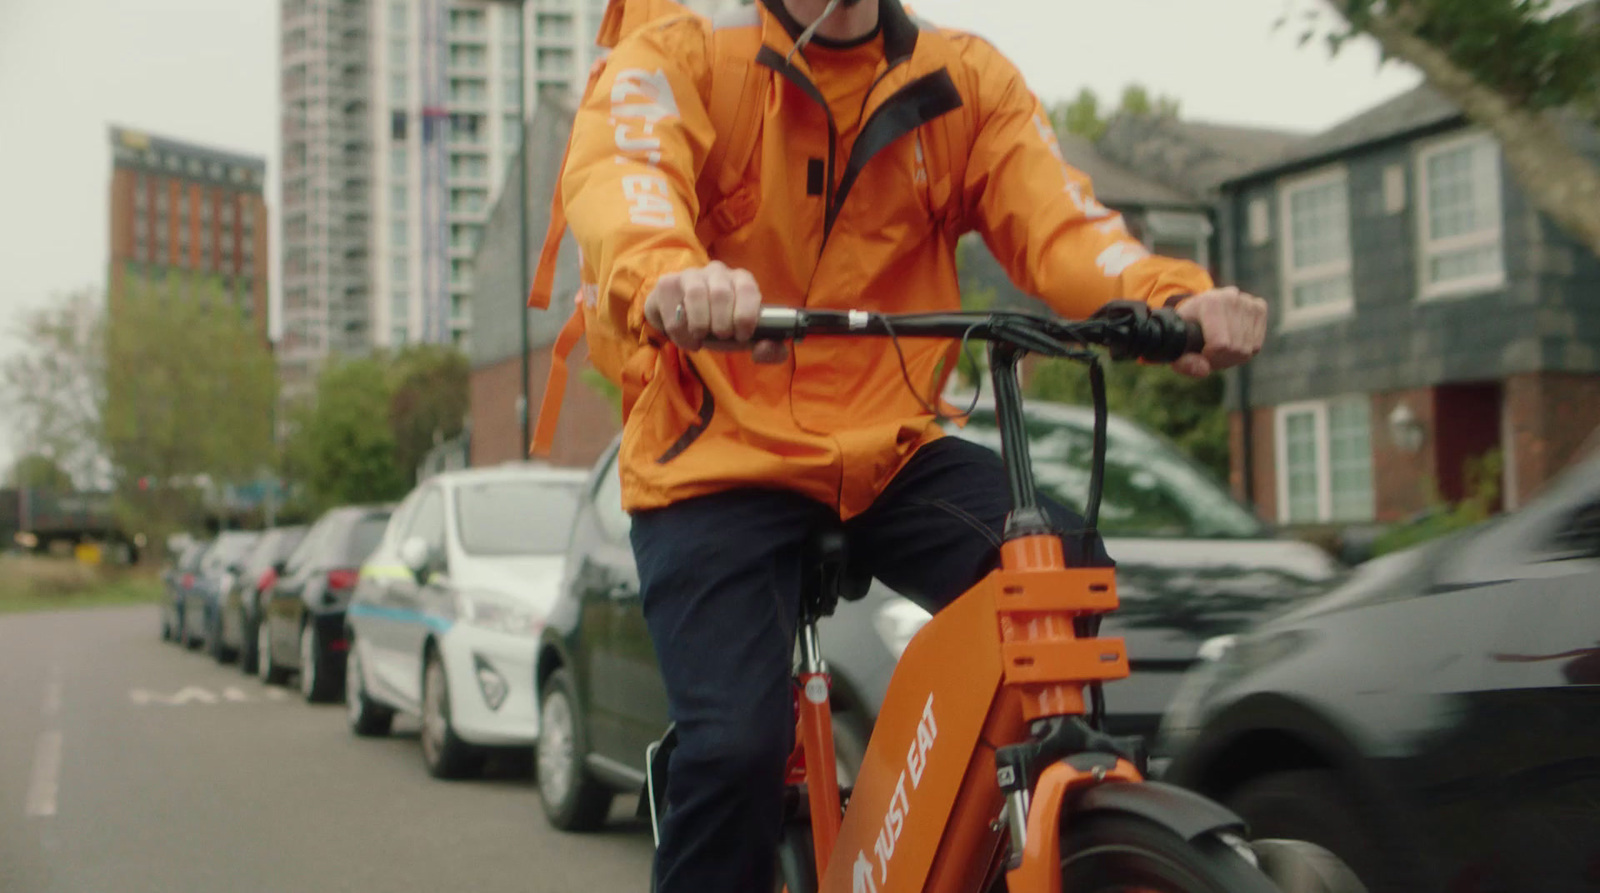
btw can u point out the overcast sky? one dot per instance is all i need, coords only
(205, 71)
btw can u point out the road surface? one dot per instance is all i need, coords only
(128, 765)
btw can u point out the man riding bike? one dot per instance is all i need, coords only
(877, 142)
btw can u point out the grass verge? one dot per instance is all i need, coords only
(29, 583)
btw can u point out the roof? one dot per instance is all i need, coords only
(1417, 110)
(139, 141)
(1116, 185)
(1193, 156)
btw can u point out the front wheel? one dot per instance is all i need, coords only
(1107, 852)
(443, 751)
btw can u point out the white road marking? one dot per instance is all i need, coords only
(52, 693)
(191, 694)
(186, 695)
(46, 773)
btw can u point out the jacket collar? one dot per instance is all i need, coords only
(896, 26)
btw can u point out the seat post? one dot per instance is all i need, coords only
(811, 660)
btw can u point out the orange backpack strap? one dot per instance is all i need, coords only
(555, 386)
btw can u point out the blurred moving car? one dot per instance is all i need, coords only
(177, 579)
(1193, 564)
(445, 620)
(236, 627)
(1435, 721)
(212, 576)
(301, 627)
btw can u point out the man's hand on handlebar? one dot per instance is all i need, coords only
(714, 303)
(1234, 323)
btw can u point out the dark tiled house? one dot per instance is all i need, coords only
(1424, 314)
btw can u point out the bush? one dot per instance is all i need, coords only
(1441, 518)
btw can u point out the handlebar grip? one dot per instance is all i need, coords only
(1194, 338)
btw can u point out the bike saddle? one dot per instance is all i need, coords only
(829, 575)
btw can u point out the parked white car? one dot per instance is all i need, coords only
(445, 620)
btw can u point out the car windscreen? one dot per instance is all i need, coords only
(230, 548)
(1150, 490)
(515, 517)
(362, 539)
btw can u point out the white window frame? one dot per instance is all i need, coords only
(1291, 277)
(1428, 247)
(1321, 434)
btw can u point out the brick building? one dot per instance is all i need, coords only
(187, 216)
(1425, 314)
(588, 421)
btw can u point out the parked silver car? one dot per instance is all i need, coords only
(445, 620)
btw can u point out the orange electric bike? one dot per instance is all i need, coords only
(987, 769)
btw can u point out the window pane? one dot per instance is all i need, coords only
(397, 161)
(1456, 203)
(1319, 227)
(397, 233)
(1350, 459)
(1300, 458)
(1467, 264)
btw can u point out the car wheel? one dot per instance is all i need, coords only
(368, 718)
(219, 652)
(316, 676)
(445, 754)
(573, 799)
(1313, 805)
(247, 645)
(267, 669)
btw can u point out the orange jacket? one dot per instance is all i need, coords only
(847, 222)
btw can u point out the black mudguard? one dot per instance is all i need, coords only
(1182, 811)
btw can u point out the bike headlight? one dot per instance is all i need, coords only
(897, 621)
(497, 614)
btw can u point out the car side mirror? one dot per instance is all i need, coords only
(416, 556)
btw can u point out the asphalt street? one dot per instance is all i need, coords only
(130, 765)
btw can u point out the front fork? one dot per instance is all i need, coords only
(1063, 756)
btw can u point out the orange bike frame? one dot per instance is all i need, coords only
(924, 814)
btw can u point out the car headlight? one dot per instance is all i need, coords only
(897, 621)
(497, 614)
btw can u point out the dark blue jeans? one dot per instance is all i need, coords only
(720, 580)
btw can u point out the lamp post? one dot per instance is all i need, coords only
(523, 415)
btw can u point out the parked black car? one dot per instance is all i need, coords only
(215, 574)
(235, 629)
(177, 579)
(1192, 564)
(1435, 721)
(302, 620)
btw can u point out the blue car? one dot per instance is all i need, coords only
(177, 579)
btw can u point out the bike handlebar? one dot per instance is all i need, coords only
(1129, 329)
